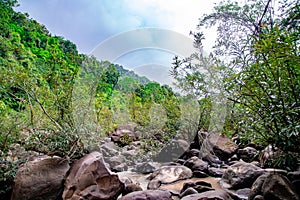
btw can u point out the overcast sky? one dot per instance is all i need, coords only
(91, 23)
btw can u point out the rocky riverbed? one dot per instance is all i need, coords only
(178, 171)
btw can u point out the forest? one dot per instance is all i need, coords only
(56, 101)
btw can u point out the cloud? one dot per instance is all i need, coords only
(90, 23)
(87, 23)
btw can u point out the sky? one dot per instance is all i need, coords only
(137, 34)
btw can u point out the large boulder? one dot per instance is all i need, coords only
(213, 160)
(210, 195)
(148, 195)
(294, 177)
(41, 178)
(247, 154)
(222, 146)
(172, 151)
(199, 186)
(273, 187)
(123, 135)
(215, 172)
(89, 178)
(196, 164)
(146, 167)
(116, 163)
(240, 175)
(109, 149)
(131, 187)
(168, 174)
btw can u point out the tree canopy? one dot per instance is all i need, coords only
(255, 66)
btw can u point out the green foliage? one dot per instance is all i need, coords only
(63, 144)
(259, 73)
(8, 168)
(37, 78)
(269, 90)
(144, 102)
(125, 139)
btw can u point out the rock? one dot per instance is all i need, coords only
(168, 174)
(247, 154)
(212, 159)
(240, 175)
(256, 163)
(196, 164)
(199, 174)
(257, 187)
(273, 187)
(243, 193)
(145, 167)
(148, 195)
(277, 186)
(294, 175)
(276, 171)
(89, 178)
(41, 178)
(131, 187)
(199, 186)
(210, 195)
(222, 146)
(259, 197)
(233, 159)
(190, 153)
(180, 161)
(120, 168)
(172, 151)
(215, 172)
(115, 161)
(193, 184)
(188, 191)
(123, 135)
(129, 154)
(109, 149)
(296, 184)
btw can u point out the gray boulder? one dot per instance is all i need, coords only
(89, 178)
(222, 146)
(145, 167)
(273, 187)
(172, 151)
(41, 178)
(210, 195)
(247, 154)
(240, 175)
(123, 135)
(196, 164)
(168, 174)
(148, 195)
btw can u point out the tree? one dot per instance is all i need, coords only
(259, 49)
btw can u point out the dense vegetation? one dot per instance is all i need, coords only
(56, 101)
(253, 75)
